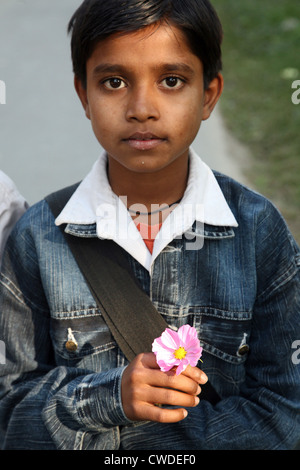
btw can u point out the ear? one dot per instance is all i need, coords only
(82, 93)
(212, 95)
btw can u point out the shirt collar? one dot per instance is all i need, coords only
(94, 202)
(93, 192)
(203, 191)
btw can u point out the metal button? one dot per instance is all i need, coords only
(243, 350)
(71, 346)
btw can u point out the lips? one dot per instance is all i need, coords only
(143, 136)
(144, 140)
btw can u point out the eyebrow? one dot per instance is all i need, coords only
(107, 68)
(164, 67)
(176, 67)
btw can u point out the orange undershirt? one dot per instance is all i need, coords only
(148, 233)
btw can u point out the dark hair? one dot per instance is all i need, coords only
(95, 20)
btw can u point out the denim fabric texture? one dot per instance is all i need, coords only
(241, 291)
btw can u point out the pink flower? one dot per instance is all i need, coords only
(177, 349)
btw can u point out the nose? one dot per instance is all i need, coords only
(142, 104)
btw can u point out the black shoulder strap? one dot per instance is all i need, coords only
(129, 313)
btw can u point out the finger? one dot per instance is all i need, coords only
(188, 381)
(148, 360)
(161, 415)
(196, 374)
(171, 397)
(169, 380)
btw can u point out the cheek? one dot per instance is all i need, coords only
(187, 112)
(102, 120)
(101, 113)
(190, 121)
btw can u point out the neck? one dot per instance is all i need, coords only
(160, 187)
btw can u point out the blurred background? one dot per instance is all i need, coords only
(261, 55)
(46, 142)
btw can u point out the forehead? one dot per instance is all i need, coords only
(153, 45)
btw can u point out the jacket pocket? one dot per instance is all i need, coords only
(224, 334)
(225, 339)
(84, 341)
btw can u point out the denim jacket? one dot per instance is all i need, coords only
(241, 291)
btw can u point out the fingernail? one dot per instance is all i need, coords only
(204, 377)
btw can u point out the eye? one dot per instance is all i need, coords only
(172, 82)
(114, 83)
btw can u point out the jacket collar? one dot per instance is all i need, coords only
(206, 231)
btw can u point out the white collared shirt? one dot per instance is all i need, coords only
(95, 202)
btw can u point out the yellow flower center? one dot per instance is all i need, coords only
(180, 353)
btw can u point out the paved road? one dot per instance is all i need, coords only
(45, 140)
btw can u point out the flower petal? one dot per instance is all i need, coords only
(193, 358)
(182, 366)
(184, 332)
(164, 354)
(187, 335)
(165, 366)
(157, 345)
(170, 339)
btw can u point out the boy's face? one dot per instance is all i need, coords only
(145, 97)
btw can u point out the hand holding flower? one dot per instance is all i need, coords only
(144, 385)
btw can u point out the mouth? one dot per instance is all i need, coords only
(144, 141)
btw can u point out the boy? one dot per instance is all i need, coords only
(147, 73)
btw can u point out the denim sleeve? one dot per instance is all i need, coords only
(266, 414)
(43, 406)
